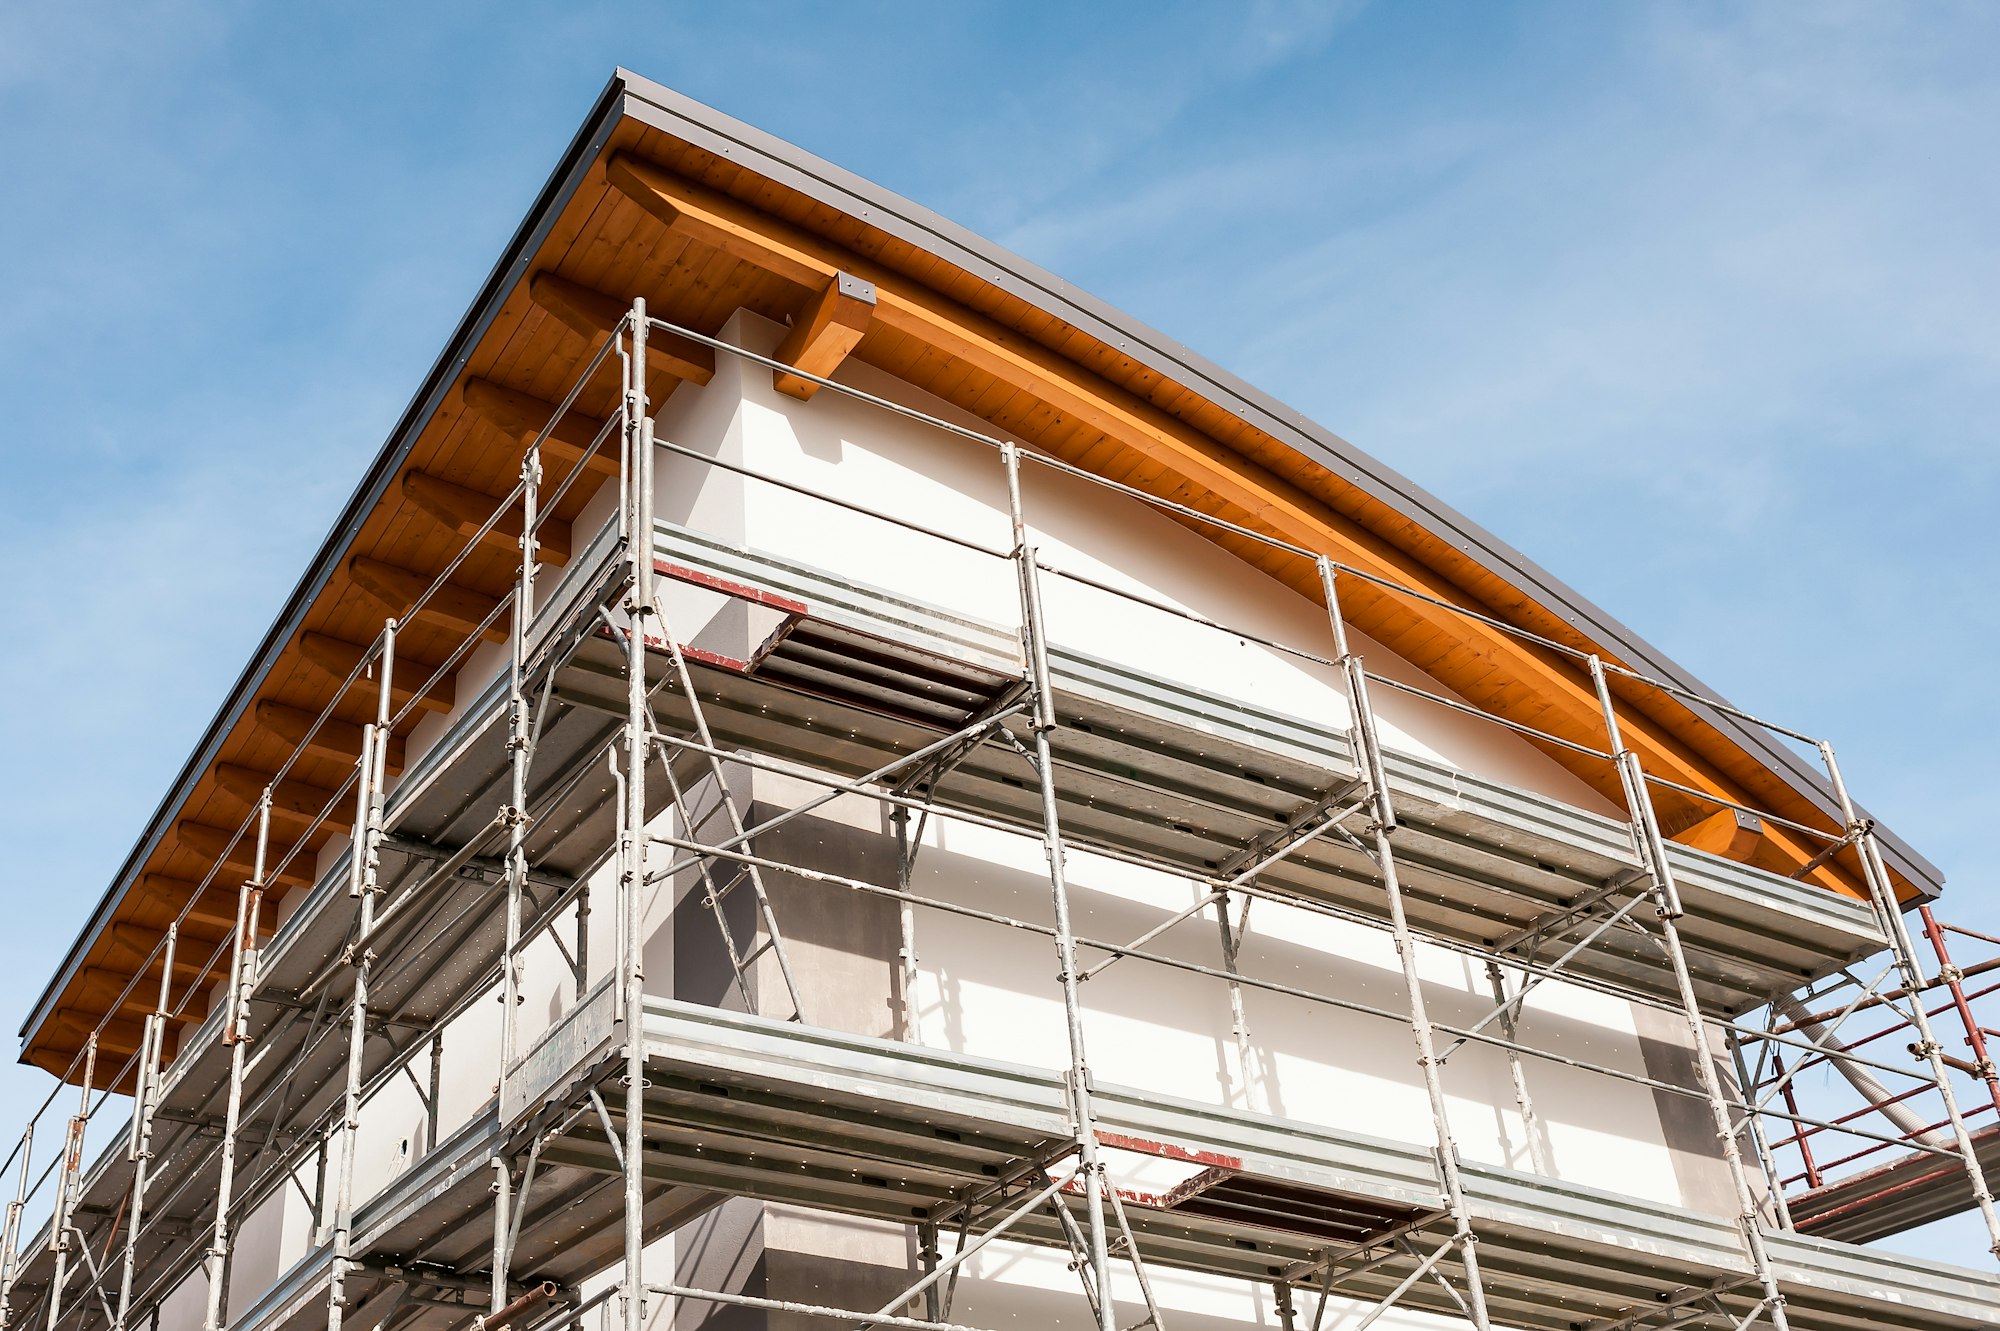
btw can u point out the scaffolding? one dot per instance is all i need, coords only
(632, 1114)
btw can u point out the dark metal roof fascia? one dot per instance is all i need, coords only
(684, 118)
(548, 205)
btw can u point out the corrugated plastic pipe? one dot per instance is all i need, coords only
(1860, 1078)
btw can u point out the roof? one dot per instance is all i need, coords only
(776, 215)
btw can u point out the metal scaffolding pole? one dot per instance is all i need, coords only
(1954, 982)
(145, 1100)
(639, 607)
(1882, 896)
(1239, 1017)
(61, 1233)
(906, 942)
(519, 753)
(242, 980)
(11, 1238)
(1774, 1188)
(514, 817)
(1531, 1126)
(364, 855)
(1650, 847)
(1367, 747)
(749, 875)
(1034, 643)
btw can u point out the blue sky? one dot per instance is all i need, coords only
(1693, 303)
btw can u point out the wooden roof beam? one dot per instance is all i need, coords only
(137, 942)
(469, 514)
(239, 853)
(592, 314)
(117, 1042)
(215, 910)
(331, 738)
(1274, 504)
(830, 326)
(337, 658)
(573, 439)
(719, 221)
(1730, 833)
(144, 998)
(293, 803)
(453, 608)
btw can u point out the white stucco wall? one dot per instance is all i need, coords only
(1162, 1029)
(861, 454)
(989, 991)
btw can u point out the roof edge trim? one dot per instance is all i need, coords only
(605, 114)
(685, 118)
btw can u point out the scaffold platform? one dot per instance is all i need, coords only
(1148, 769)
(740, 1105)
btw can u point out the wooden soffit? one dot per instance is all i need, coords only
(663, 198)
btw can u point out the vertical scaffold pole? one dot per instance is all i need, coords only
(1961, 1002)
(639, 608)
(1510, 1023)
(1766, 1159)
(515, 817)
(1043, 721)
(906, 926)
(1368, 758)
(503, 1214)
(365, 863)
(1889, 915)
(68, 1180)
(1650, 847)
(242, 980)
(11, 1237)
(144, 1101)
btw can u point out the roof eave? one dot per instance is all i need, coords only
(684, 118)
(630, 94)
(583, 149)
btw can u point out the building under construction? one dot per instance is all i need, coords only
(824, 777)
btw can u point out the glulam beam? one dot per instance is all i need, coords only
(144, 998)
(1563, 699)
(293, 803)
(337, 659)
(117, 1040)
(452, 608)
(214, 908)
(238, 855)
(829, 326)
(138, 944)
(1730, 833)
(592, 314)
(469, 514)
(330, 738)
(575, 438)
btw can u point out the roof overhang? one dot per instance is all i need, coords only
(805, 197)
